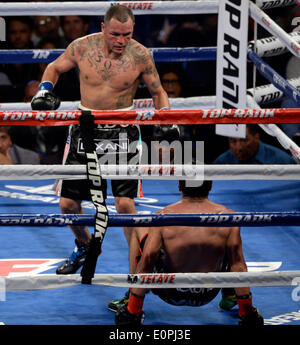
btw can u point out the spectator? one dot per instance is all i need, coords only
(172, 79)
(174, 82)
(187, 33)
(19, 30)
(30, 90)
(163, 29)
(48, 27)
(252, 150)
(67, 88)
(74, 27)
(16, 76)
(49, 142)
(13, 154)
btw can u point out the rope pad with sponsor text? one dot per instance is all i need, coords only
(152, 117)
(98, 196)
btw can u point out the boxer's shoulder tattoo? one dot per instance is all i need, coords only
(150, 70)
(88, 48)
(140, 54)
(72, 48)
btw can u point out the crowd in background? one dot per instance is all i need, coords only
(19, 82)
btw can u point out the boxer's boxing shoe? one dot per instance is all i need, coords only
(228, 300)
(75, 261)
(124, 318)
(116, 304)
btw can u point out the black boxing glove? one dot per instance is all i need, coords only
(45, 99)
(166, 132)
(124, 318)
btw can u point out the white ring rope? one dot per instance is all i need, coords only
(93, 7)
(268, 93)
(275, 131)
(156, 7)
(154, 172)
(147, 103)
(138, 7)
(267, 23)
(156, 280)
(272, 46)
(262, 95)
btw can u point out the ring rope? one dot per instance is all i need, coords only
(93, 7)
(263, 94)
(271, 46)
(275, 78)
(271, 26)
(153, 117)
(162, 54)
(154, 281)
(245, 219)
(268, 93)
(156, 7)
(275, 131)
(139, 8)
(187, 172)
(266, 47)
(9, 56)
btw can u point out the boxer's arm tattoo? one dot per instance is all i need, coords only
(151, 71)
(139, 55)
(72, 48)
(156, 84)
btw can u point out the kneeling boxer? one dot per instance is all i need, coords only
(172, 249)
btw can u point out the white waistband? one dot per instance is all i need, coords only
(82, 107)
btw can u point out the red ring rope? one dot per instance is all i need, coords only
(188, 116)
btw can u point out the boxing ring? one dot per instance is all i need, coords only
(33, 242)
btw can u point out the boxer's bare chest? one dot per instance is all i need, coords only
(98, 69)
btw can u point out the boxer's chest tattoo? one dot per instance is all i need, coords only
(139, 55)
(91, 53)
(110, 68)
